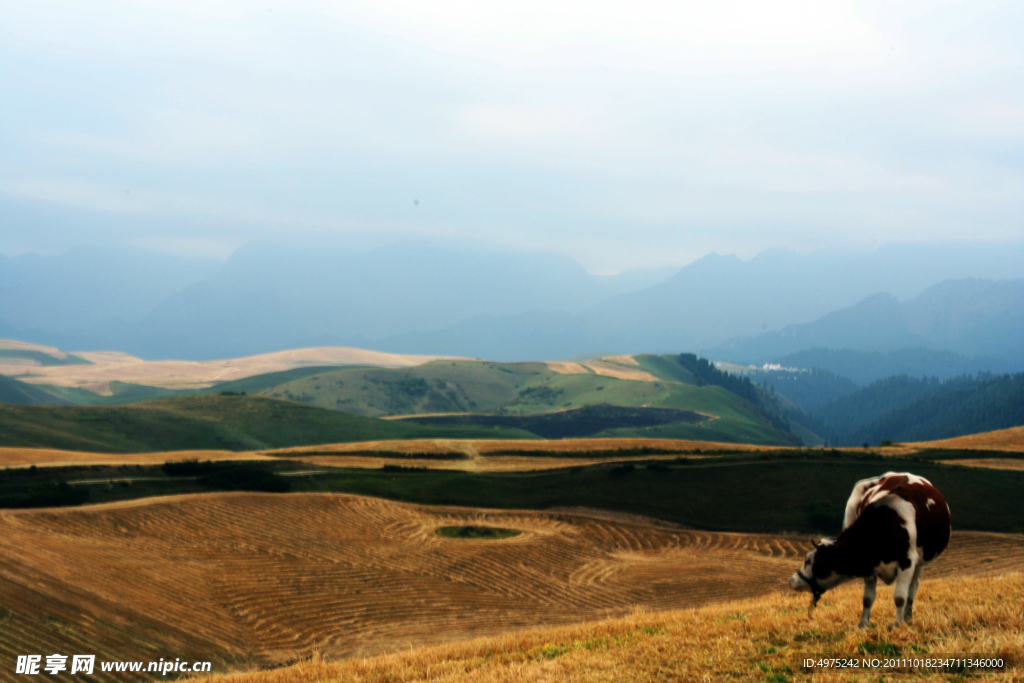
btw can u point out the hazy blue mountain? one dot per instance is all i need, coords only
(81, 290)
(969, 317)
(440, 298)
(534, 335)
(720, 297)
(268, 297)
(809, 389)
(696, 308)
(865, 367)
(7, 330)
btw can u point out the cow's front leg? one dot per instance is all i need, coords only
(901, 591)
(869, 599)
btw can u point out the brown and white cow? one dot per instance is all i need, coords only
(895, 524)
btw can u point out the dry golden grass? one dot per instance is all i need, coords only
(565, 368)
(750, 640)
(617, 367)
(469, 455)
(268, 579)
(14, 345)
(171, 374)
(441, 447)
(993, 463)
(484, 455)
(579, 446)
(1011, 439)
(47, 457)
(614, 367)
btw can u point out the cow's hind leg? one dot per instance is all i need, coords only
(869, 599)
(915, 582)
(901, 591)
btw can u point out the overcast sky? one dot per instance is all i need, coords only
(624, 134)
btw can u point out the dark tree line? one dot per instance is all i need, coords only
(705, 373)
(809, 389)
(957, 408)
(904, 408)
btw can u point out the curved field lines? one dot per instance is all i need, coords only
(265, 579)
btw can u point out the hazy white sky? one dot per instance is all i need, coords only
(624, 134)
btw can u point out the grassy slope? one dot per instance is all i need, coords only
(436, 387)
(125, 393)
(530, 388)
(258, 383)
(738, 421)
(744, 641)
(206, 422)
(42, 358)
(665, 369)
(122, 394)
(22, 393)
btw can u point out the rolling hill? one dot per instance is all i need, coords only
(235, 423)
(332, 378)
(523, 389)
(20, 393)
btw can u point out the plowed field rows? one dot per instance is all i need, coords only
(265, 579)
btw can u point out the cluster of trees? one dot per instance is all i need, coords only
(904, 408)
(705, 373)
(841, 418)
(960, 408)
(809, 389)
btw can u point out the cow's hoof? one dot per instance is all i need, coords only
(864, 625)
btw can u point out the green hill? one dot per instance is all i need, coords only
(22, 393)
(121, 394)
(209, 422)
(523, 389)
(478, 388)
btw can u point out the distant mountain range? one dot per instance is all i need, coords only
(980, 319)
(437, 299)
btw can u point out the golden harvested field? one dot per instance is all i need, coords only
(266, 579)
(618, 367)
(48, 457)
(172, 374)
(470, 455)
(581, 446)
(758, 639)
(993, 463)
(492, 456)
(1011, 439)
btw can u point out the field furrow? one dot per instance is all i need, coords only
(265, 579)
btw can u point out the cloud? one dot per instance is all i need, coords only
(581, 127)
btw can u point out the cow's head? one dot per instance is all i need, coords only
(817, 574)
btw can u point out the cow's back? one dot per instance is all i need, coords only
(931, 518)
